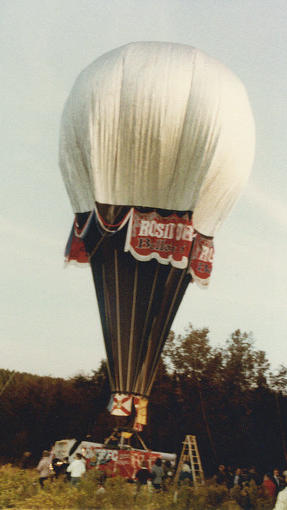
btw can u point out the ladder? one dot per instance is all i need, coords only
(190, 454)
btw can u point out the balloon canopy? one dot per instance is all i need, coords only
(157, 141)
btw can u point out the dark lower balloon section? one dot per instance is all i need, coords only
(137, 303)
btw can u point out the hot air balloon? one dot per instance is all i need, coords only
(156, 142)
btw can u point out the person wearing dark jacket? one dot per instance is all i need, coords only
(221, 475)
(143, 475)
(157, 474)
(254, 476)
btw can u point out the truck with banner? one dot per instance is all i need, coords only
(122, 461)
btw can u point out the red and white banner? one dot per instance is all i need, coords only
(165, 238)
(202, 259)
(168, 239)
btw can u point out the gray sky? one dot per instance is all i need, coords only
(49, 321)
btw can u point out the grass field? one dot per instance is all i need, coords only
(20, 489)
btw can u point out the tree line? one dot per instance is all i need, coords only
(227, 396)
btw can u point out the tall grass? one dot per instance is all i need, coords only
(20, 489)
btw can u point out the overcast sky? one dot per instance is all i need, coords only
(49, 319)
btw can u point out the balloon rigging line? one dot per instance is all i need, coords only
(151, 335)
(145, 364)
(97, 246)
(118, 319)
(131, 341)
(148, 354)
(162, 337)
(108, 312)
(147, 319)
(147, 357)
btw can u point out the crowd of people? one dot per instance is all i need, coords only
(71, 471)
(158, 477)
(273, 484)
(161, 475)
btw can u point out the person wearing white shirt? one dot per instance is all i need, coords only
(77, 468)
(281, 502)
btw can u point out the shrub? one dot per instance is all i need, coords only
(201, 498)
(16, 485)
(251, 496)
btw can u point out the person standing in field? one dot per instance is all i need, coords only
(143, 475)
(44, 467)
(269, 486)
(77, 468)
(157, 474)
(281, 501)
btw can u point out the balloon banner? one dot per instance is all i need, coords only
(140, 404)
(201, 260)
(167, 239)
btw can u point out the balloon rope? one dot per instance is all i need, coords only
(146, 322)
(145, 365)
(131, 341)
(108, 313)
(148, 354)
(160, 343)
(118, 320)
(96, 247)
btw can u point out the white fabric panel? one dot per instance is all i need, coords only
(159, 125)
